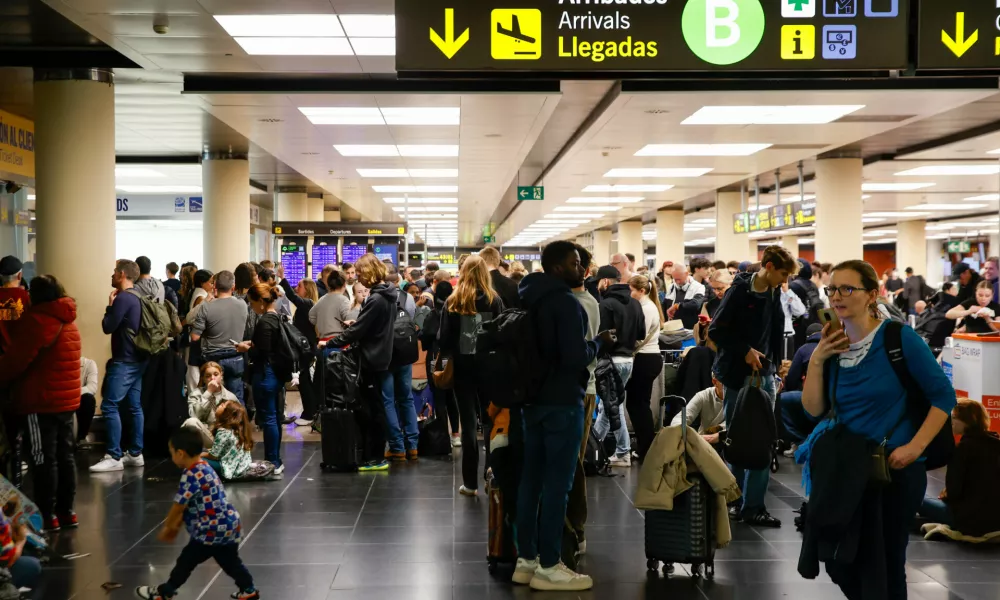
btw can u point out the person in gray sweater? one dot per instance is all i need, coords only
(706, 409)
(330, 313)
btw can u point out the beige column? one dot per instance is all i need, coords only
(630, 239)
(911, 246)
(75, 185)
(331, 216)
(314, 209)
(226, 227)
(669, 236)
(791, 243)
(838, 210)
(291, 206)
(994, 247)
(602, 247)
(728, 245)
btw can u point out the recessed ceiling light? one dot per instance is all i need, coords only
(291, 26)
(597, 199)
(415, 189)
(654, 172)
(295, 46)
(373, 26)
(373, 46)
(420, 200)
(628, 187)
(943, 170)
(945, 206)
(571, 209)
(895, 214)
(701, 149)
(574, 215)
(157, 189)
(31, 196)
(770, 115)
(894, 187)
(137, 172)
(983, 198)
(366, 150)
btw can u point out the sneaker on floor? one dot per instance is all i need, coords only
(467, 492)
(245, 595)
(279, 470)
(374, 466)
(734, 513)
(524, 572)
(395, 456)
(51, 524)
(412, 455)
(149, 592)
(133, 461)
(107, 465)
(289, 419)
(790, 453)
(560, 578)
(300, 422)
(762, 519)
(456, 441)
(69, 519)
(621, 461)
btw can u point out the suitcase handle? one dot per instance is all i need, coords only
(684, 425)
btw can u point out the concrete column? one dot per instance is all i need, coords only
(226, 227)
(75, 184)
(791, 243)
(291, 206)
(331, 216)
(728, 245)
(630, 239)
(838, 210)
(911, 246)
(314, 209)
(602, 247)
(994, 247)
(669, 236)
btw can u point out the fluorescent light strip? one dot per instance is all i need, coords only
(158, 189)
(422, 150)
(701, 149)
(295, 46)
(598, 199)
(945, 207)
(628, 188)
(574, 215)
(281, 26)
(415, 189)
(770, 115)
(420, 200)
(703, 222)
(627, 173)
(894, 187)
(571, 209)
(953, 170)
(137, 172)
(893, 214)
(983, 198)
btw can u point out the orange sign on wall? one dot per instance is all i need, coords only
(992, 406)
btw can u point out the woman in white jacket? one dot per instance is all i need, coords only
(204, 399)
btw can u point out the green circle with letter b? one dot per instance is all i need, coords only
(723, 32)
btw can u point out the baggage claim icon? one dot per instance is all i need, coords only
(517, 34)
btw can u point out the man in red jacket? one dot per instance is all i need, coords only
(43, 376)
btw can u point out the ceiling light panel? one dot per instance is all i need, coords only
(628, 188)
(704, 222)
(415, 189)
(945, 207)
(369, 26)
(575, 216)
(383, 173)
(374, 46)
(573, 209)
(950, 170)
(770, 115)
(630, 173)
(894, 214)
(295, 46)
(367, 150)
(894, 187)
(291, 26)
(701, 149)
(425, 208)
(598, 199)
(983, 198)
(421, 200)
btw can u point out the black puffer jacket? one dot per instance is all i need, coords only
(373, 329)
(611, 390)
(621, 312)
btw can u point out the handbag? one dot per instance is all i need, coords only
(879, 470)
(444, 373)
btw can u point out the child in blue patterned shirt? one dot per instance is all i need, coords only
(211, 521)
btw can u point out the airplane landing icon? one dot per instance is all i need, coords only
(517, 34)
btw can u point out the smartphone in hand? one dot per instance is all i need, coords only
(828, 315)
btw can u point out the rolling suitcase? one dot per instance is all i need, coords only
(339, 440)
(685, 534)
(500, 546)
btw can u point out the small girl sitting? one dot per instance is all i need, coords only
(205, 399)
(230, 452)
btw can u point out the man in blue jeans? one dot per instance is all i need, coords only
(749, 330)
(402, 433)
(124, 379)
(553, 420)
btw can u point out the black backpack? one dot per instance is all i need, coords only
(293, 352)
(752, 431)
(596, 462)
(507, 357)
(942, 447)
(404, 336)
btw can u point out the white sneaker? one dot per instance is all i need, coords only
(621, 461)
(133, 461)
(560, 578)
(280, 470)
(525, 571)
(107, 465)
(467, 492)
(303, 422)
(790, 453)
(456, 442)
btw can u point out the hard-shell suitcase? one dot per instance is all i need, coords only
(339, 443)
(500, 547)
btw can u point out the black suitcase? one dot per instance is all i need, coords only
(339, 440)
(685, 534)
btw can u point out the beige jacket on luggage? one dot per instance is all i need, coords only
(664, 476)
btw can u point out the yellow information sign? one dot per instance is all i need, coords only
(449, 45)
(798, 42)
(516, 34)
(17, 145)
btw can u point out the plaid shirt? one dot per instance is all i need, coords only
(210, 518)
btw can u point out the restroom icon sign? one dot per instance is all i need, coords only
(840, 42)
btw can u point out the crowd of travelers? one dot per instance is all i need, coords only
(824, 344)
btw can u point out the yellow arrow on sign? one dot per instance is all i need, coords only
(959, 45)
(449, 46)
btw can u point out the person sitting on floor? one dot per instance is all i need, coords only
(205, 399)
(972, 484)
(230, 452)
(705, 410)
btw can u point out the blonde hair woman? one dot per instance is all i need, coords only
(472, 302)
(647, 364)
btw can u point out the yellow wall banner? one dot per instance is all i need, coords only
(17, 145)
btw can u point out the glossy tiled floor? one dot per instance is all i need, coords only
(406, 535)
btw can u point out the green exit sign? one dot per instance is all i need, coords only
(961, 247)
(489, 239)
(530, 192)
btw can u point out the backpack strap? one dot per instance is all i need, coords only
(894, 351)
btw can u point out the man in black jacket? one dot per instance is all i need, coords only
(808, 293)
(503, 286)
(621, 312)
(749, 331)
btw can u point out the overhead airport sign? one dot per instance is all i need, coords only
(960, 34)
(529, 192)
(361, 228)
(650, 35)
(17, 145)
(776, 218)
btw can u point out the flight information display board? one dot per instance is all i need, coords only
(293, 259)
(323, 255)
(776, 218)
(651, 35)
(352, 252)
(387, 251)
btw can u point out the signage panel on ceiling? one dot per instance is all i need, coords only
(351, 228)
(650, 35)
(962, 34)
(776, 218)
(158, 206)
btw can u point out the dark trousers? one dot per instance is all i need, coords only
(444, 400)
(371, 419)
(308, 391)
(85, 416)
(227, 556)
(52, 449)
(638, 393)
(576, 507)
(470, 410)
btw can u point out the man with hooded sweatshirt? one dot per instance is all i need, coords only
(808, 293)
(622, 313)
